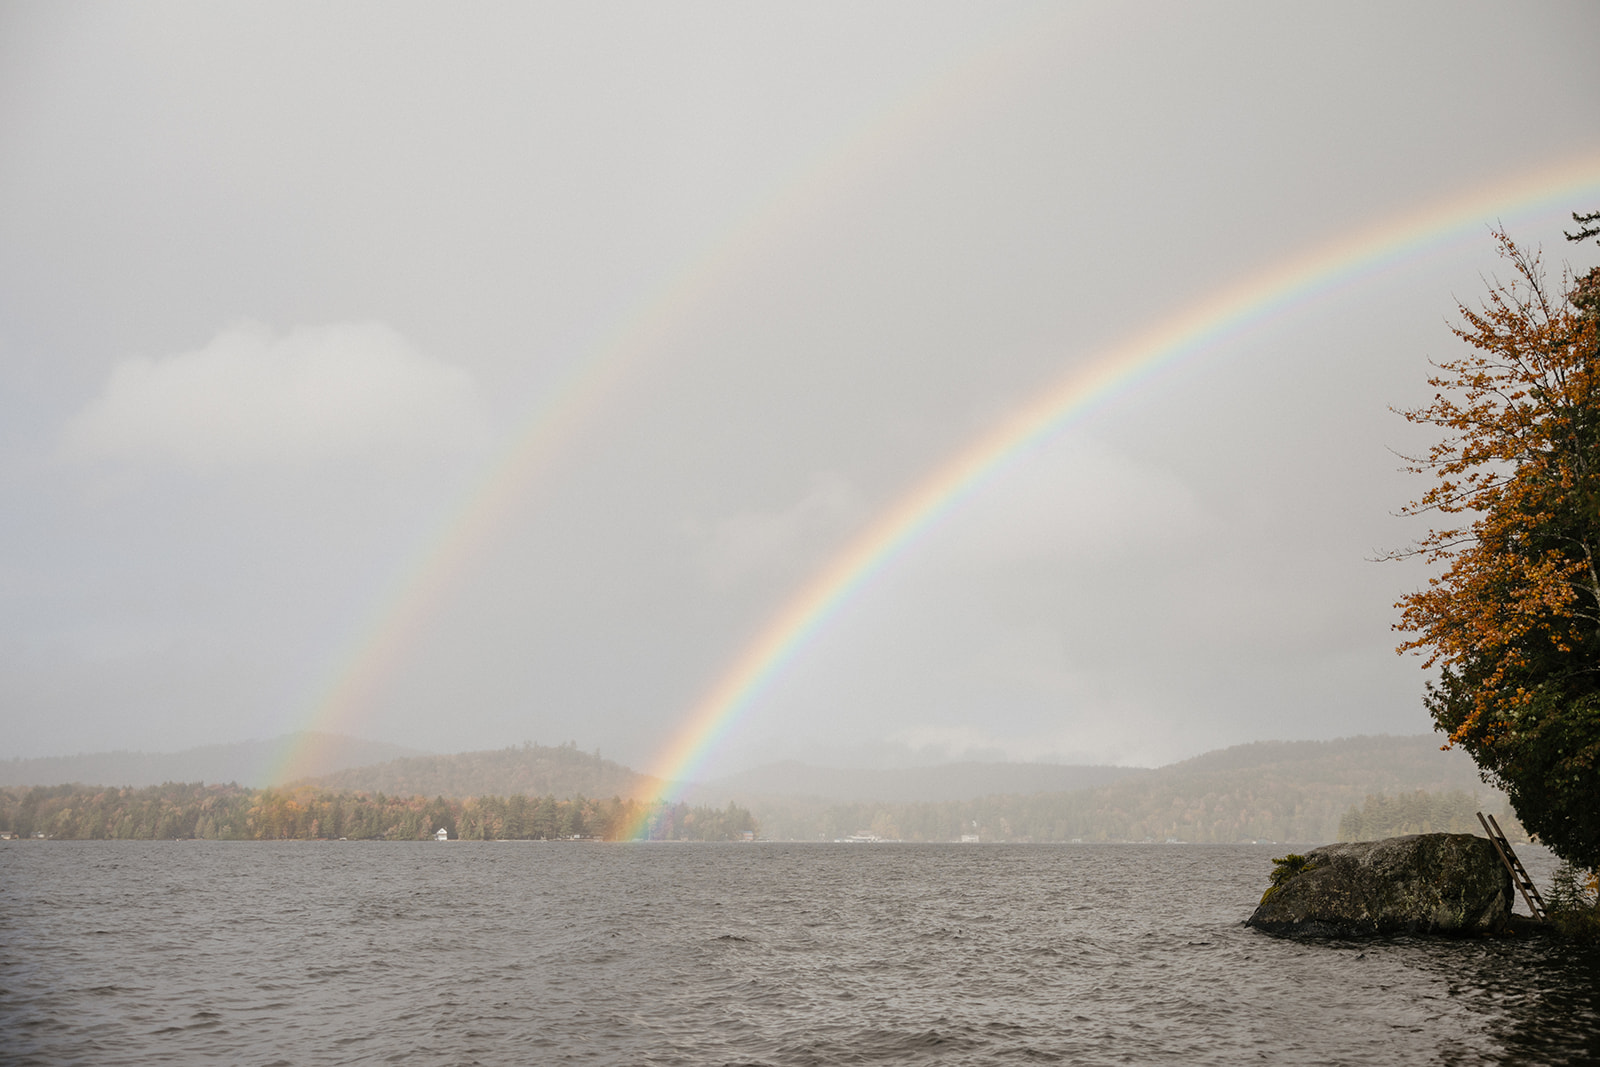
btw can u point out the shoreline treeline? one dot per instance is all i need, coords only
(235, 813)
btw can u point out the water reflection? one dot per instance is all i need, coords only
(1538, 996)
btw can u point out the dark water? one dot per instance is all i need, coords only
(514, 953)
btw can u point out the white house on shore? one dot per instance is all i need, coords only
(441, 834)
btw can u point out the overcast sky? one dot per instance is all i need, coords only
(280, 283)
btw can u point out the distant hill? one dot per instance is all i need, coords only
(948, 781)
(527, 770)
(248, 763)
(1412, 761)
(1274, 791)
(1283, 790)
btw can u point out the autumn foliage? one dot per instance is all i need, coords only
(1513, 620)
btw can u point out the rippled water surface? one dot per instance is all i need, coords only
(528, 952)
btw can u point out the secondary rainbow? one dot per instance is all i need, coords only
(1198, 328)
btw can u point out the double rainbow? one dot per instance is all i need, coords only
(378, 639)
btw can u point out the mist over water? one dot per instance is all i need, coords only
(512, 953)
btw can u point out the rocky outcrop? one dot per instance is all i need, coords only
(1422, 883)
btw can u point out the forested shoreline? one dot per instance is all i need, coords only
(235, 813)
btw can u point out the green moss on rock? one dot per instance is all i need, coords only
(1288, 867)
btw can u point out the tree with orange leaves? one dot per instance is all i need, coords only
(1513, 620)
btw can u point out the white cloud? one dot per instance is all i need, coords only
(249, 398)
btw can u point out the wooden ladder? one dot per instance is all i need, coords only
(1519, 875)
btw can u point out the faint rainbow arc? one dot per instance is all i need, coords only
(1198, 327)
(386, 629)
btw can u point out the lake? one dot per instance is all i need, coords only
(198, 952)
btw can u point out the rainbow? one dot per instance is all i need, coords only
(1116, 371)
(378, 639)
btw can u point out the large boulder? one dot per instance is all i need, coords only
(1422, 883)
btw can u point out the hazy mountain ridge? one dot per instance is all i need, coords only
(524, 770)
(247, 763)
(1275, 791)
(1373, 756)
(1283, 790)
